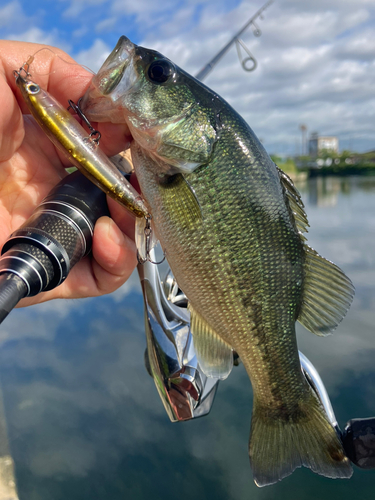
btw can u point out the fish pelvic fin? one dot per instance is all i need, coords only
(327, 294)
(280, 443)
(214, 355)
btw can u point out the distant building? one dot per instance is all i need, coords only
(318, 143)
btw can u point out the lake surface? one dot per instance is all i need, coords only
(84, 418)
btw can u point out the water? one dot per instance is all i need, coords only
(84, 418)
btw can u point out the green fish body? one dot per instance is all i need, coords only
(231, 223)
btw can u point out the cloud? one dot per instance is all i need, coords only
(315, 60)
(78, 7)
(15, 24)
(37, 35)
(315, 66)
(12, 14)
(143, 8)
(106, 24)
(94, 57)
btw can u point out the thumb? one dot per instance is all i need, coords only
(114, 256)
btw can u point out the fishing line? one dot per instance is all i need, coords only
(26, 66)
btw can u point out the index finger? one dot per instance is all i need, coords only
(52, 69)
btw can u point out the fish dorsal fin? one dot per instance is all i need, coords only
(188, 143)
(180, 200)
(327, 294)
(214, 355)
(295, 202)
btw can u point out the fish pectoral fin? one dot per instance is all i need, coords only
(214, 355)
(183, 206)
(188, 142)
(327, 294)
(295, 203)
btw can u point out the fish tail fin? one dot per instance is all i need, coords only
(280, 443)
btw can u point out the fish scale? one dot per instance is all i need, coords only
(231, 277)
(231, 223)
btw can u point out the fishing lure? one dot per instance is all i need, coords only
(71, 138)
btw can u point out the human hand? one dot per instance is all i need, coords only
(30, 166)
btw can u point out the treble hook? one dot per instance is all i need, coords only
(77, 109)
(245, 60)
(148, 233)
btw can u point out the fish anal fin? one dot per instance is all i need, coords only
(214, 355)
(327, 294)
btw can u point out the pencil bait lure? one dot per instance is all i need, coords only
(81, 149)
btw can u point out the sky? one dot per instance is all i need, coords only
(315, 60)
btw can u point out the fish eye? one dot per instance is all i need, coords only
(160, 71)
(32, 88)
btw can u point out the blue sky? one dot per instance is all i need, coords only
(316, 60)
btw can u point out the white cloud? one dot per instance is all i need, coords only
(106, 24)
(315, 59)
(12, 14)
(359, 47)
(77, 7)
(94, 57)
(143, 8)
(37, 35)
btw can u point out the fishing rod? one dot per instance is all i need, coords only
(40, 254)
(201, 75)
(38, 257)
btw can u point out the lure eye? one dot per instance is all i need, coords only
(32, 88)
(160, 71)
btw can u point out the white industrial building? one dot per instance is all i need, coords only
(318, 143)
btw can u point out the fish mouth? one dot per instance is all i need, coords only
(113, 68)
(110, 83)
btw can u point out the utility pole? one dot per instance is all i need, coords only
(303, 129)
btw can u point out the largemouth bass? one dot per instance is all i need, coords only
(231, 225)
